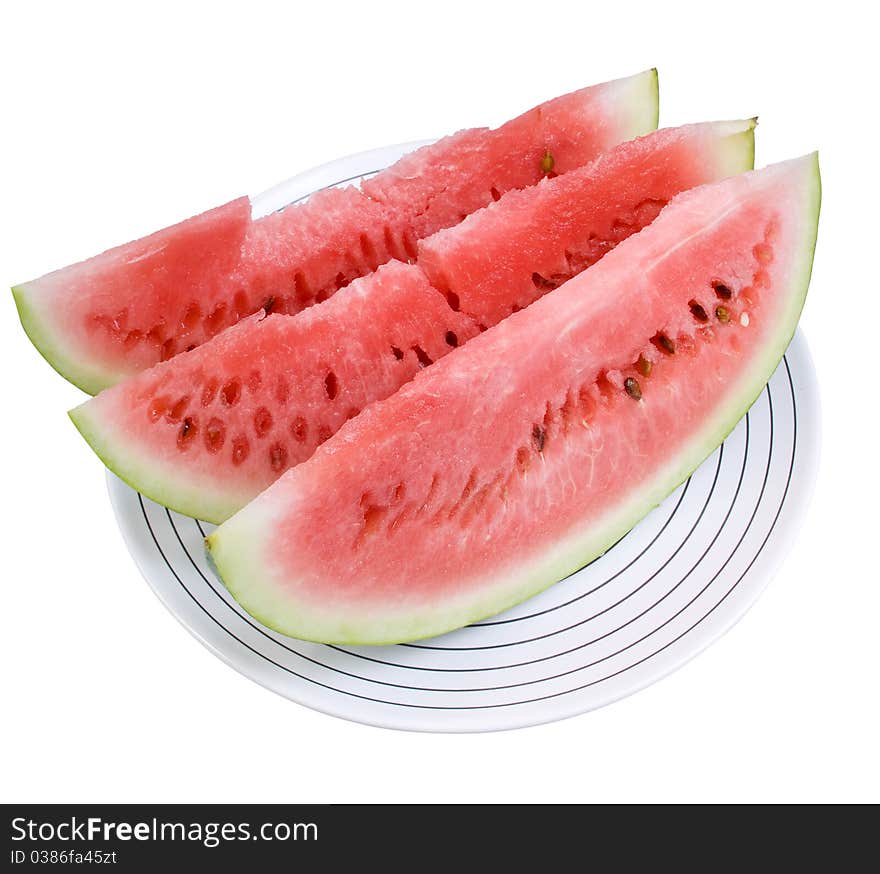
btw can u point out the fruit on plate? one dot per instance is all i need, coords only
(113, 315)
(207, 431)
(524, 454)
(548, 233)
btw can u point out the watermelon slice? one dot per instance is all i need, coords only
(131, 307)
(529, 451)
(207, 431)
(546, 234)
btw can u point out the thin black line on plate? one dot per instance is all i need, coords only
(487, 623)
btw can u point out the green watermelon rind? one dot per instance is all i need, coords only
(137, 469)
(645, 103)
(69, 365)
(238, 548)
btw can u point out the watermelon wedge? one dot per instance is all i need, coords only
(118, 313)
(207, 431)
(524, 454)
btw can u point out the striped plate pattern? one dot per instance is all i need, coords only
(675, 583)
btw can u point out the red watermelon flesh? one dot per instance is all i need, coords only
(547, 234)
(209, 430)
(529, 451)
(79, 317)
(369, 344)
(99, 321)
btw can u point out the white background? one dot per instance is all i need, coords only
(117, 119)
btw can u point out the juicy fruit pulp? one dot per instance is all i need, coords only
(555, 230)
(532, 449)
(120, 312)
(209, 430)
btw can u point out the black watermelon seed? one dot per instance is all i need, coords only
(698, 312)
(633, 389)
(539, 435)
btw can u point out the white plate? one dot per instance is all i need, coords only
(675, 583)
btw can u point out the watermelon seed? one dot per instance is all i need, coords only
(539, 436)
(663, 343)
(697, 311)
(262, 422)
(231, 392)
(278, 457)
(215, 434)
(451, 339)
(299, 429)
(744, 320)
(547, 162)
(722, 314)
(522, 459)
(188, 431)
(453, 301)
(633, 389)
(240, 450)
(643, 365)
(424, 358)
(331, 386)
(540, 282)
(398, 353)
(496, 194)
(722, 290)
(269, 304)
